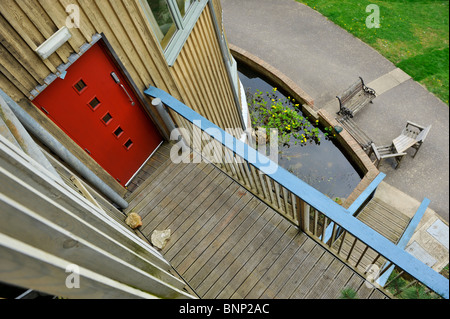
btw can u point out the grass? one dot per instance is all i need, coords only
(413, 34)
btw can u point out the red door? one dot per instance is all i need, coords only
(98, 110)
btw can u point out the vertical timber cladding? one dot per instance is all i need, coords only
(26, 24)
(202, 78)
(199, 77)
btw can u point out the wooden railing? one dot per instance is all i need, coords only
(368, 252)
(54, 240)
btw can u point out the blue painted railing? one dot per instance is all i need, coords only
(366, 194)
(296, 200)
(406, 237)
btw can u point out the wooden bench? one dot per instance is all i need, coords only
(355, 98)
(356, 132)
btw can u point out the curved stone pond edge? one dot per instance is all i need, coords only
(355, 153)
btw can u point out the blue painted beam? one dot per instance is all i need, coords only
(409, 231)
(368, 192)
(356, 205)
(313, 197)
(406, 237)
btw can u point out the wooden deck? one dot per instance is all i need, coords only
(226, 243)
(385, 219)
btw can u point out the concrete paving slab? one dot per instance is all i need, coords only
(432, 244)
(417, 251)
(389, 81)
(439, 231)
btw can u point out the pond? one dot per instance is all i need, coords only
(320, 161)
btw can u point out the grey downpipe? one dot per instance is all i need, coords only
(227, 66)
(52, 143)
(173, 130)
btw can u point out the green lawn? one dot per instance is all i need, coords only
(413, 34)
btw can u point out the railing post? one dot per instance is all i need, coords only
(304, 212)
(157, 103)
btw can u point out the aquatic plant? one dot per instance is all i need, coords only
(270, 111)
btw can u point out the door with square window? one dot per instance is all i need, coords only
(96, 107)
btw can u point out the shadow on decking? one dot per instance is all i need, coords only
(226, 243)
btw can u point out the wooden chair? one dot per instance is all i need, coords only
(413, 135)
(383, 152)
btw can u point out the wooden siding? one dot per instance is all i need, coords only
(202, 76)
(199, 78)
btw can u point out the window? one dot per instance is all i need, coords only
(94, 103)
(118, 132)
(128, 144)
(107, 118)
(163, 19)
(80, 86)
(172, 21)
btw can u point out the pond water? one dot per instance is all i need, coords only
(322, 165)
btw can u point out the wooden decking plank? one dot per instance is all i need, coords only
(180, 227)
(258, 264)
(327, 279)
(393, 235)
(156, 185)
(212, 231)
(395, 215)
(253, 256)
(200, 200)
(354, 283)
(384, 217)
(285, 273)
(226, 254)
(193, 223)
(224, 238)
(133, 192)
(257, 275)
(377, 294)
(228, 244)
(365, 289)
(173, 211)
(317, 271)
(165, 169)
(236, 257)
(383, 227)
(217, 251)
(356, 253)
(267, 279)
(212, 228)
(175, 197)
(177, 185)
(334, 291)
(302, 271)
(158, 191)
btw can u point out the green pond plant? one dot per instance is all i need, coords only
(269, 111)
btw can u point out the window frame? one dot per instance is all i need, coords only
(184, 26)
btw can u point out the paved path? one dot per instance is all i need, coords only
(324, 60)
